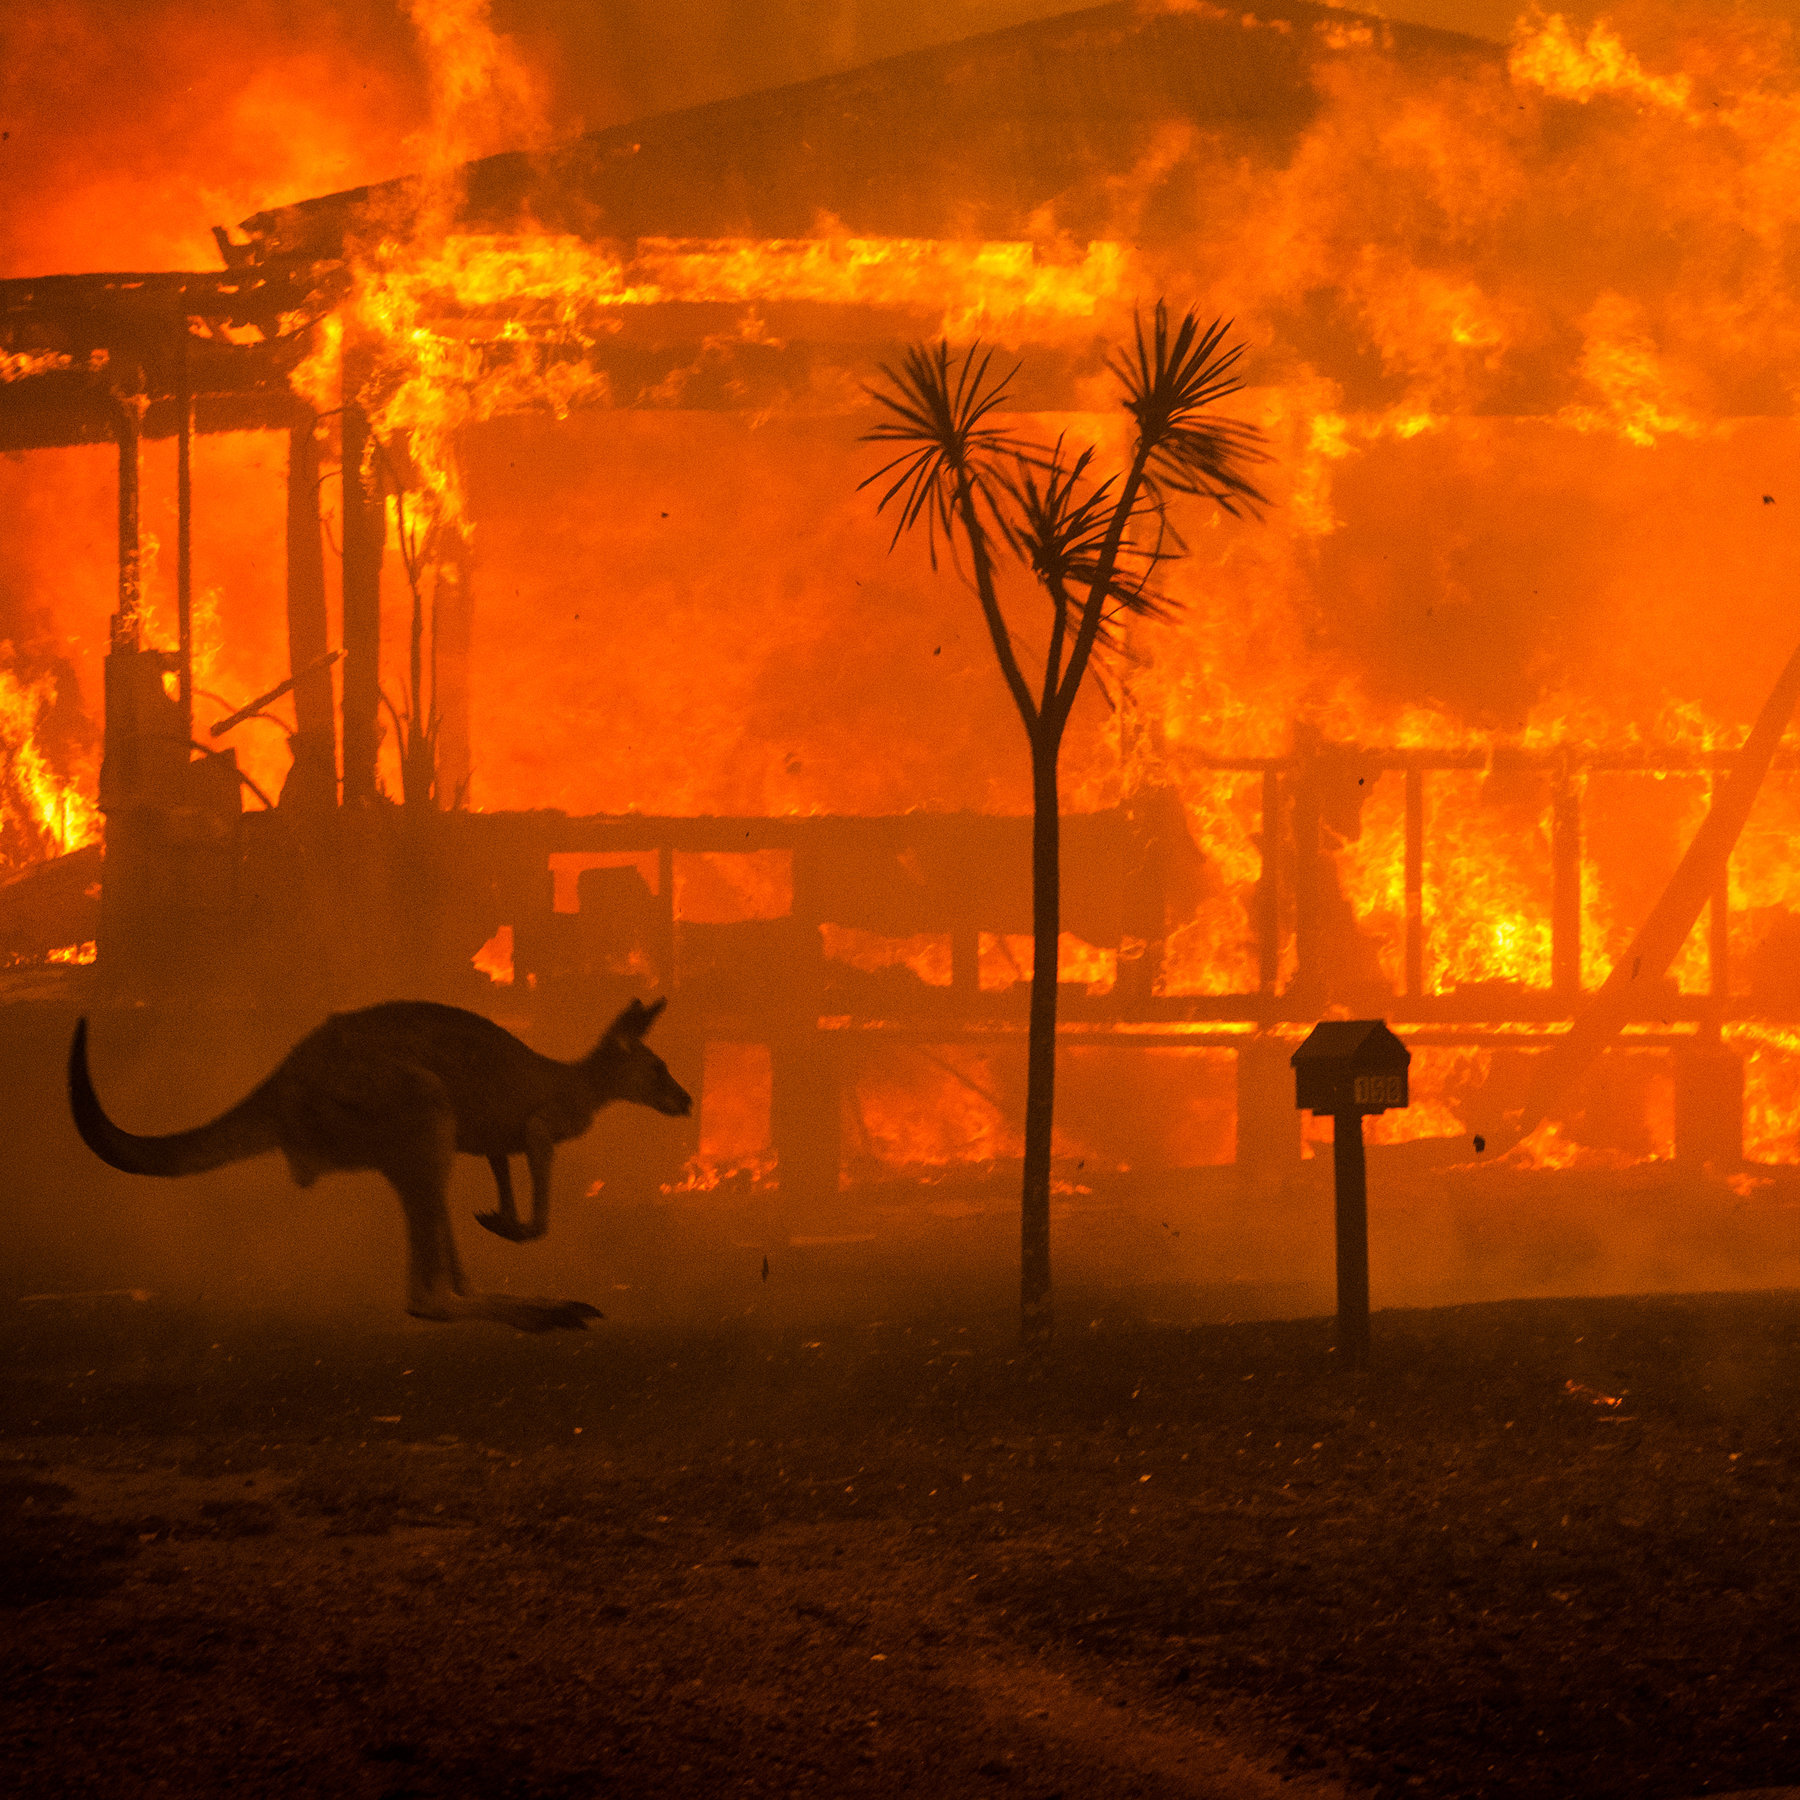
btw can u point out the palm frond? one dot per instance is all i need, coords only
(1170, 381)
(941, 415)
(1061, 527)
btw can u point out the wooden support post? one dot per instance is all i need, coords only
(125, 620)
(1352, 1240)
(803, 1123)
(1311, 984)
(1565, 889)
(1268, 1127)
(1718, 939)
(965, 960)
(452, 628)
(803, 1101)
(365, 533)
(184, 532)
(1415, 884)
(1151, 817)
(1268, 888)
(1709, 1104)
(663, 951)
(313, 780)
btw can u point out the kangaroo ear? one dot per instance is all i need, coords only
(635, 1020)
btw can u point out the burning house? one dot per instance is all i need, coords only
(525, 639)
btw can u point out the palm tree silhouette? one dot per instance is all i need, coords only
(1093, 545)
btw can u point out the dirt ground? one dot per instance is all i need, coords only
(1546, 1547)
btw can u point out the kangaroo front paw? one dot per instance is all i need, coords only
(504, 1225)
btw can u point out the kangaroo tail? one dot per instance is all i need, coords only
(232, 1137)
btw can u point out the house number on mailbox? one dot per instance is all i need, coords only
(1380, 1090)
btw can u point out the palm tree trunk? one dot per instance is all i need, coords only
(1040, 1080)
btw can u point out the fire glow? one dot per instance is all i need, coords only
(1523, 448)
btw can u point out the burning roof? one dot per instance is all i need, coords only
(973, 185)
(970, 140)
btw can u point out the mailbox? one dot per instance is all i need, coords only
(1350, 1066)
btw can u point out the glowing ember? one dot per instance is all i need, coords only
(17, 365)
(731, 1178)
(495, 958)
(926, 954)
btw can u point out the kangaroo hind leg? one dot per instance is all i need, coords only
(540, 1147)
(419, 1156)
(423, 1152)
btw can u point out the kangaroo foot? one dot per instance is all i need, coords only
(508, 1309)
(506, 1225)
(540, 1315)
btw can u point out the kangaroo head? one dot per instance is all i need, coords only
(624, 1067)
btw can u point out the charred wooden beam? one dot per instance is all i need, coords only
(175, 339)
(1415, 883)
(365, 532)
(1718, 940)
(1565, 887)
(1268, 888)
(184, 541)
(318, 666)
(90, 311)
(313, 780)
(125, 619)
(452, 627)
(232, 387)
(1311, 979)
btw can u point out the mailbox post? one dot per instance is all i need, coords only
(1348, 1067)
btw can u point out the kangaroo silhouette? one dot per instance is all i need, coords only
(400, 1088)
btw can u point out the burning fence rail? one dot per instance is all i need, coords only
(852, 958)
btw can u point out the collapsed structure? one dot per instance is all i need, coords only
(763, 256)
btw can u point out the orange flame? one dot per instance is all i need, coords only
(41, 813)
(466, 328)
(1546, 54)
(1522, 454)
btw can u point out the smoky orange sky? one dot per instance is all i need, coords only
(132, 127)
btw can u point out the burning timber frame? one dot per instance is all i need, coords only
(314, 903)
(309, 902)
